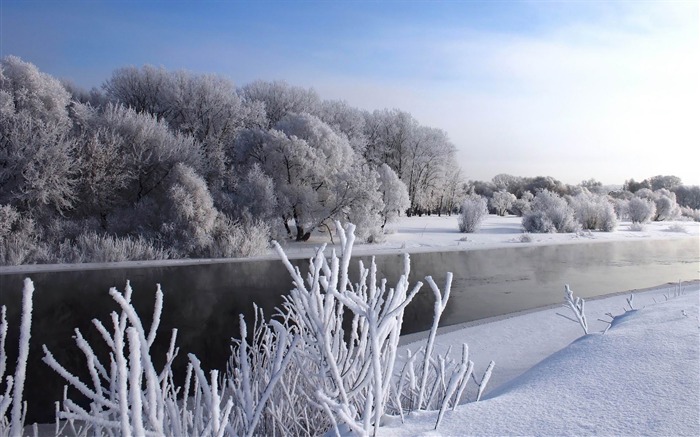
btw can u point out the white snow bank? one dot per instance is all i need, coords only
(432, 233)
(640, 378)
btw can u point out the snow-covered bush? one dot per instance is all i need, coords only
(538, 222)
(521, 206)
(234, 239)
(636, 227)
(691, 213)
(594, 211)
(502, 201)
(14, 384)
(128, 395)
(98, 248)
(20, 239)
(620, 207)
(640, 210)
(577, 305)
(473, 212)
(550, 213)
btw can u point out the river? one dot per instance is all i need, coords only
(204, 300)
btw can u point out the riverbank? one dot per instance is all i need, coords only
(640, 378)
(418, 235)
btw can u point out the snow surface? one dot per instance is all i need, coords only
(642, 377)
(433, 233)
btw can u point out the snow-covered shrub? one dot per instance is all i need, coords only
(502, 201)
(640, 210)
(14, 384)
(521, 206)
(691, 213)
(594, 211)
(348, 367)
(577, 306)
(620, 207)
(550, 213)
(20, 239)
(235, 239)
(128, 395)
(666, 207)
(538, 222)
(525, 237)
(676, 227)
(472, 213)
(98, 248)
(637, 227)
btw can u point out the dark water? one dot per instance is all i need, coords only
(204, 301)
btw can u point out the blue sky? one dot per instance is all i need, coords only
(574, 90)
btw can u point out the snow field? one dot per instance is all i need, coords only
(639, 378)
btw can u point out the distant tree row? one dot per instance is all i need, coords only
(174, 164)
(547, 205)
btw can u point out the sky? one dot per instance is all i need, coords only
(573, 90)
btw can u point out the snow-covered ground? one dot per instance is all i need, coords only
(642, 377)
(433, 233)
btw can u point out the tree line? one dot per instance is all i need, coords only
(162, 163)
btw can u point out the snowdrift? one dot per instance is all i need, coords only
(639, 378)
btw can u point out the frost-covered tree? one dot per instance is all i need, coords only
(255, 194)
(688, 196)
(473, 212)
(305, 159)
(141, 89)
(205, 107)
(280, 99)
(39, 166)
(666, 206)
(150, 149)
(388, 133)
(187, 213)
(502, 202)
(358, 191)
(394, 194)
(104, 173)
(346, 120)
(23, 88)
(667, 182)
(549, 213)
(507, 182)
